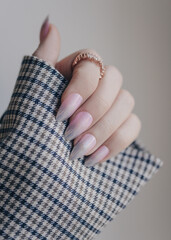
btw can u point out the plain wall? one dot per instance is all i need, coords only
(134, 36)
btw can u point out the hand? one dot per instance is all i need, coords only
(101, 120)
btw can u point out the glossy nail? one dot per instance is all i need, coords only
(69, 106)
(83, 146)
(45, 28)
(97, 156)
(78, 125)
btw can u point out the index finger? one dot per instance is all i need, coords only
(83, 81)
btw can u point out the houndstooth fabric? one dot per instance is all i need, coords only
(44, 195)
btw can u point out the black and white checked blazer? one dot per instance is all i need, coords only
(44, 195)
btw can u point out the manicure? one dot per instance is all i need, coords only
(83, 146)
(45, 28)
(97, 156)
(69, 106)
(78, 125)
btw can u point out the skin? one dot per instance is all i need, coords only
(113, 124)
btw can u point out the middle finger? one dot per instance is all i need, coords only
(84, 81)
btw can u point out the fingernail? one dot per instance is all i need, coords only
(69, 106)
(97, 156)
(78, 125)
(45, 28)
(83, 146)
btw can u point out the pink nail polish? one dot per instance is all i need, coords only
(83, 146)
(97, 156)
(69, 106)
(78, 125)
(45, 28)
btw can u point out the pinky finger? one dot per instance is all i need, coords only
(117, 142)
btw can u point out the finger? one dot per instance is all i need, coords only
(84, 81)
(96, 105)
(65, 64)
(106, 126)
(112, 120)
(119, 140)
(49, 47)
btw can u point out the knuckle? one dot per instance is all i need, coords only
(121, 137)
(127, 97)
(125, 136)
(110, 69)
(108, 126)
(117, 76)
(136, 121)
(102, 104)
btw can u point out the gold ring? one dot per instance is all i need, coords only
(91, 57)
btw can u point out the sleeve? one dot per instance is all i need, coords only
(44, 195)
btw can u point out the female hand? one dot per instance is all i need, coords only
(101, 120)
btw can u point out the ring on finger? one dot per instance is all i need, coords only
(91, 57)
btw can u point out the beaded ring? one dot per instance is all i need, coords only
(91, 57)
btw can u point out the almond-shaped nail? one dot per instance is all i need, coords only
(45, 28)
(97, 156)
(78, 125)
(69, 106)
(83, 146)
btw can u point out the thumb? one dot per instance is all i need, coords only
(49, 47)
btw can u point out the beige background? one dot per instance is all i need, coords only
(133, 35)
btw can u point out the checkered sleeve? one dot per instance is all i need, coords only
(43, 194)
